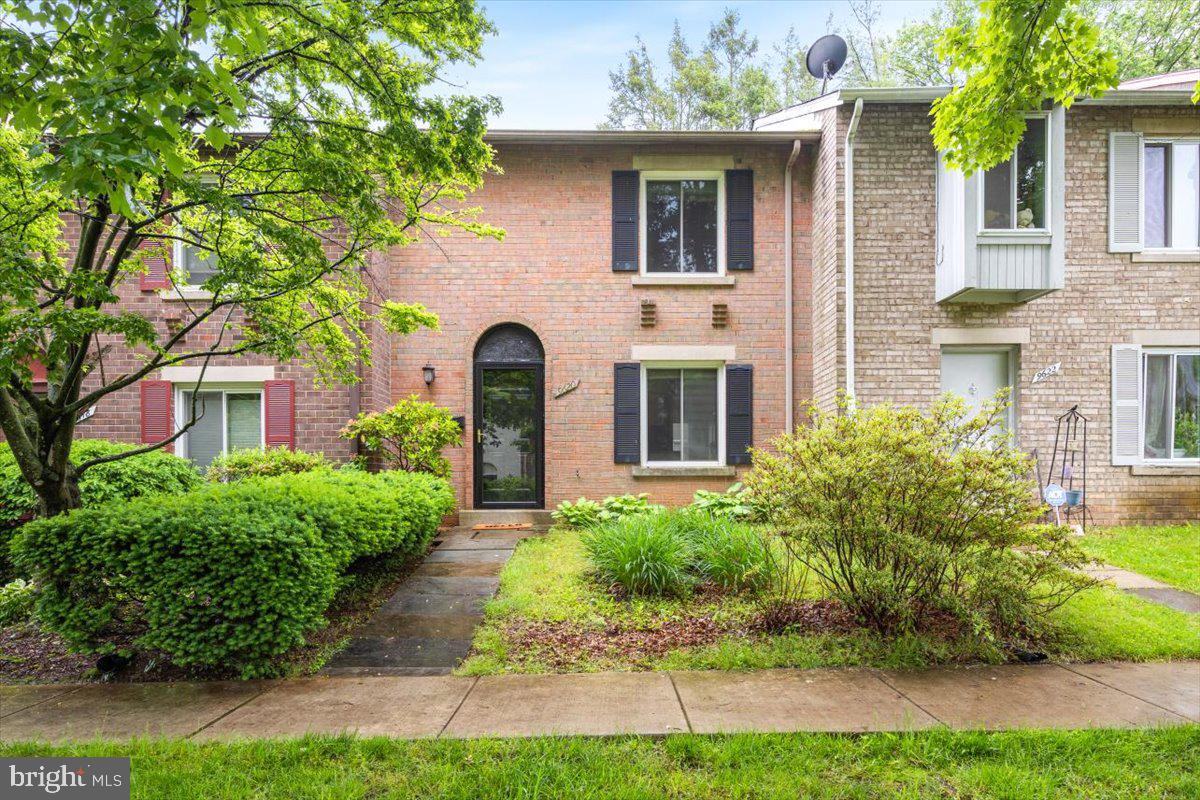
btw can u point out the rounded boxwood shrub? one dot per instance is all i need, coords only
(228, 577)
(258, 463)
(155, 472)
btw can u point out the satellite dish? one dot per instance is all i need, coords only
(826, 56)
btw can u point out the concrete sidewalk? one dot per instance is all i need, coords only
(1043, 696)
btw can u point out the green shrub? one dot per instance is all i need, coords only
(900, 514)
(583, 513)
(228, 577)
(733, 503)
(16, 602)
(627, 505)
(256, 463)
(154, 472)
(643, 554)
(409, 436)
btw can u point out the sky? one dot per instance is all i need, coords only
(549, 61)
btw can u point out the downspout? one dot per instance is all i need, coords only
(849, 193)
(789, 367)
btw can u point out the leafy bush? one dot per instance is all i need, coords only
(410, 435)
(149, 473)
(16, 602)
(901, 514)
(583, 513)
(227, 577)
(733, 503)
(627, 505)
(255, 463)
(643, 553)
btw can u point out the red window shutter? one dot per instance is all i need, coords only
(279, 397)
(40, 382)
(157, 266)
(158, 413)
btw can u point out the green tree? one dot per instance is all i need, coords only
(1019, 55)
(720, 86)
(121, 119)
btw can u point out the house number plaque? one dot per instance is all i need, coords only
(566, 388)
(1047, 372)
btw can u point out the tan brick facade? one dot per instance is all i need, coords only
(1106, 297)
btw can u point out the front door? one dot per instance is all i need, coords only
(976, 374)
(508, 436)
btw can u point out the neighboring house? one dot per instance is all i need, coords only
(1081, 252)
(664, 300)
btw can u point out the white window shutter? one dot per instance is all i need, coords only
(1125, 200)
(1126, 404)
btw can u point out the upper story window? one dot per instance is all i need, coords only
(196, 262)
(1015, 193)
(1171, 212)
(1171, 405)
(683, 229)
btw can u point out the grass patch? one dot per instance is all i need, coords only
(1168, 553)
(546, 588)
(1026, 765)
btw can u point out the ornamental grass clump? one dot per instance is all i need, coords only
(644, 554)
(906, 516)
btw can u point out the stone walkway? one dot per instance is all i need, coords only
(1146, 588)
(426, 627)
(988, 697)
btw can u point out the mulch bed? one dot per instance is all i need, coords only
(561, 645)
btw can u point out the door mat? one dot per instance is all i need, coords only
(503, 526)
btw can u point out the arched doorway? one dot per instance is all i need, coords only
(509, 458)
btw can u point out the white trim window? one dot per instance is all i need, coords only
(683, 414)
(230, 417)
(682, 223)
(1015, 195)
(196, 263)
(1171, 180)
(1171, 406)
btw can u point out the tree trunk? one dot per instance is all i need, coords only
(57, 496)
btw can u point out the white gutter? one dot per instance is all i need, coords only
(849, 194)
(789, 367)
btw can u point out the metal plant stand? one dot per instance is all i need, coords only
(1068, 468)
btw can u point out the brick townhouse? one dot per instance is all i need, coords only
(664, 300)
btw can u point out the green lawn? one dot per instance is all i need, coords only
(1169, 553)
(1025, 765)
(546, 582)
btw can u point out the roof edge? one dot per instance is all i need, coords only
(647, 137)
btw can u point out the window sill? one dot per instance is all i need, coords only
(1166, 257)
(999, 237)
(683, 472)
(684, 280)
(1165, 470)
(182, 293)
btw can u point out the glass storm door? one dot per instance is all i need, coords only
(508, 436)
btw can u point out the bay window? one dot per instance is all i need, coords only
(1015, 192)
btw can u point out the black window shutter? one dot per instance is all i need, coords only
(739, 412)
(739, 219)
(627, 405)
(625, 220)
